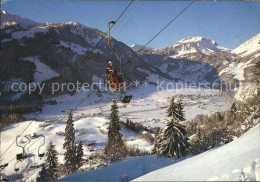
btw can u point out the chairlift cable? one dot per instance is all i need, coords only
(130, 60)
(110, 29)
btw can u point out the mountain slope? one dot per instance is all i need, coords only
(250, 46)
(249, 56)
(194, 44)
(64, 48)
(189, 47)
(139, 46)
(8, 19)
(224, 163)
(194, 59)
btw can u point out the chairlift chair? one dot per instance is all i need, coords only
(22, 155)
(41, 154)
(120, 85)
(16, 169)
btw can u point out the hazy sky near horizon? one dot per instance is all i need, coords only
(229, 23)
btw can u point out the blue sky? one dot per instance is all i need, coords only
(229, 23)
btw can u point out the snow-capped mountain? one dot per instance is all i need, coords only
(194, 59)
(8, 19)
(250, 46)
(189, 48)
(194, 44)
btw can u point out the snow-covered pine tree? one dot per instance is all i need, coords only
(175, 110)
(175, 142)
(51, 162)
(115, 146)
(180, 114)
(79, 155)
(199, 144)
(172, 108)
(69, 146)
(157, 141)
(43, 175)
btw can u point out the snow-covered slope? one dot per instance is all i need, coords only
(125, 170)
(139, 46)
(248, 47)
(249, 55)
(8, 19)
(224, 163)
(43, 72)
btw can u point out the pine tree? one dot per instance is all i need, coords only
(43, 175)
(157, 141)
(199, 144)
(52, 162)
(233, 108)
(172, 108)
(115, 145)
(180, 114)
(79, 155)
(174, 140)
(69, 146)
(175, 110)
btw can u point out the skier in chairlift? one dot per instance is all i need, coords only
(113, 79)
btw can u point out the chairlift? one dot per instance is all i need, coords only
(41, 154)
(4, 166)
(22, 155)
(16, 169)
(117, 80)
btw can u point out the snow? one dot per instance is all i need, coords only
(246, 91)
(147, 108)
(139, 46)
(126, 170)
(29, 33)
(78, 28)
(237, 69)
(195, 44)
(5, 40)
(250, 46)
(77, 48)
(74, 47)
(96, 79)
(140, 144)
(219, 164)
(43, 72)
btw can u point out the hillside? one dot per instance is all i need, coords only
(8, 20)
(63, 48)
(249, 56)
(224, 163)
(248, 47)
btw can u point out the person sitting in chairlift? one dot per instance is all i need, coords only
(113, 79)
